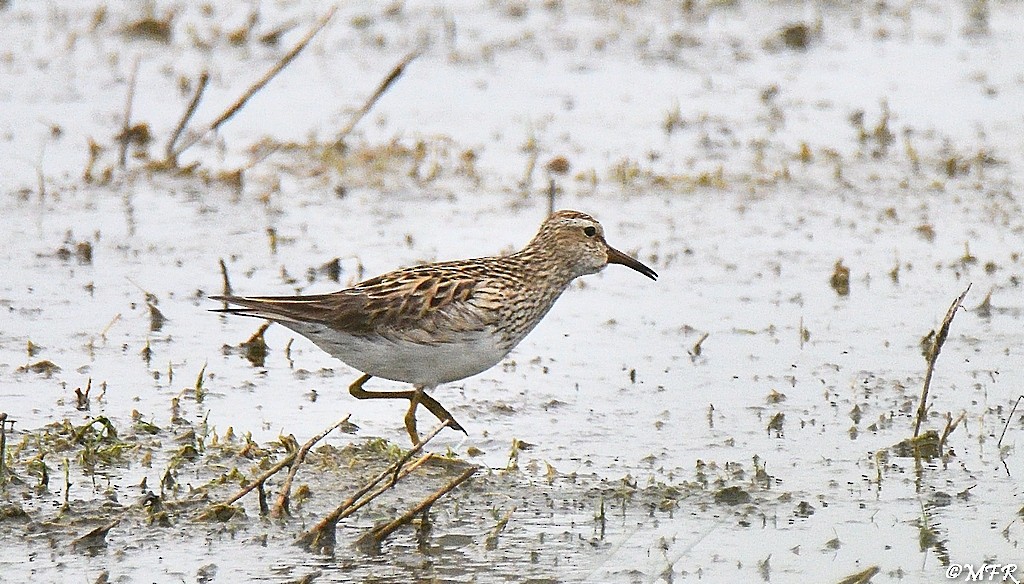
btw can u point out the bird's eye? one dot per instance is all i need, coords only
(589, 231)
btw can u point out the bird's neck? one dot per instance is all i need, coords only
(543, 279)
(539, 263)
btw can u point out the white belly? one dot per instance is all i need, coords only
(427, 365)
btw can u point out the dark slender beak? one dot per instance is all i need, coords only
(617, 257)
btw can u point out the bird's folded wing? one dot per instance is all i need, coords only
(412, 305)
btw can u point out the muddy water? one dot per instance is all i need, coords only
(740, 156)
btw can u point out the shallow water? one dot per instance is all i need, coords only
(744, 230)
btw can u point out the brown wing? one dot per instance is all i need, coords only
(415, 304)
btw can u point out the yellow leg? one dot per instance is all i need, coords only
(415, 396)
(356, 389)
(410, 416)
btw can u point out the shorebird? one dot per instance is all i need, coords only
(441, 322)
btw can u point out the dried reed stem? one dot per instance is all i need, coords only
(172, 158)
(224, 275)
(281, 506)
(3, 442)
(126, 124)
(384, 85)
(406, 471)
(372, 539)
(260, 84)
(1008, 419)
(321, 535)
(287, 460)
(419, 445)
(933, 356)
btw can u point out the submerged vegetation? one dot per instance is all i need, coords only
(105, 488)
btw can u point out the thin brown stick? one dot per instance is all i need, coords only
(190, 110)
(321, 535)
(3, 442)
(412, 451)
(406, 471)
(41, 180)
(281, 505)
(106, 329)
(259, 480)
(371, 540)
(1008, 419)
(951, 425)
(262, 492)
(532, 153)
(126, 125)
(552, 193)
(384, 85)
(933, 356)
(224, 276)
(281, 464)
(260, 84)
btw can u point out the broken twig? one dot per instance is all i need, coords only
(321, 536)
(260, 84)
(412, 451)
(371, 540)
(951, 425)
(933, 356)
(392, 76)
(1008, 419)
(172, 158)
(3, 442)
(287, 460)
(406, 471)
(281, 506)
(126, 126)
(227, 283)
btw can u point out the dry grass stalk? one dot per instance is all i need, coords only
(255, 87)
(933, 356)
(951, 425)
(224, 276)
(532, 153)
(412, 451)
(406, 471)
(384, 85)
(281, 506)
(1008, 419)
(171, 155)
(122, 155)
(321, 536)
(371, 540)
(258, 482)
(3, 442)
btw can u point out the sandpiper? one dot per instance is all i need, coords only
(441, 322)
